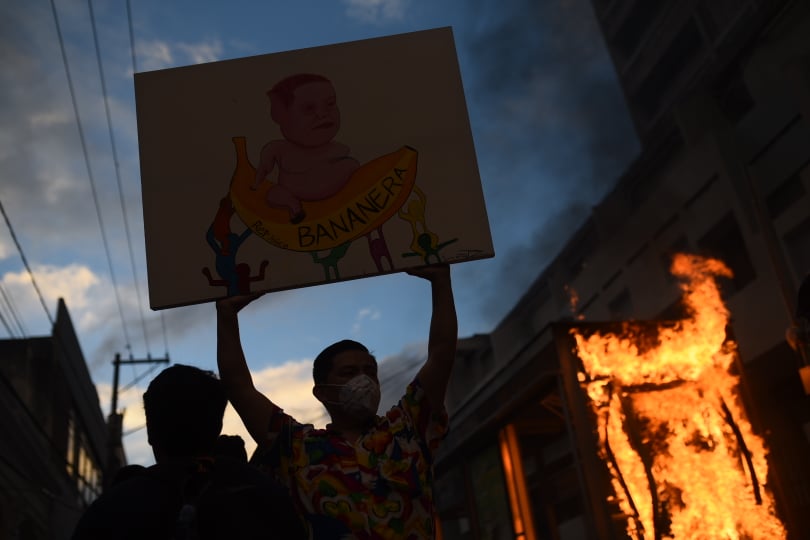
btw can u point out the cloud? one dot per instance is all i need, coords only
(75, 283)
(153, 55)
(93, 304)
(200, 53)
(159, 54)
(290, 387)
(397, 371)
(49, 118)
(365, 314)
(376, 11)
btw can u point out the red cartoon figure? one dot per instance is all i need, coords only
(221, 227)
(378, 249)
(312, 166)
(225, 243)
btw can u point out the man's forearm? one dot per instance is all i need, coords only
(233, 368)
(435, 374)
(254, 408)
(443, 321)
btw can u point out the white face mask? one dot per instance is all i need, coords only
(361, 395)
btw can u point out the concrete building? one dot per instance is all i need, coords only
(719, 92)
(54, 444)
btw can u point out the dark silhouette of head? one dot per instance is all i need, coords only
(184, 406)
(323, 362)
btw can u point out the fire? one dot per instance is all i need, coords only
(683, 459)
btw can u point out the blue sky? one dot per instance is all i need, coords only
(551, 135)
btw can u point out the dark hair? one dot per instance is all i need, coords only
(323, 362)
(283, 92)
(184, 406)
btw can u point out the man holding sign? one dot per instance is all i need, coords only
(364, 475)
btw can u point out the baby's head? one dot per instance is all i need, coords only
(305, 107)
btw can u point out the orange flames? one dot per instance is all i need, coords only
(683, 459)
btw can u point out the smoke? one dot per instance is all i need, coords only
(549, 116)
(397, 371)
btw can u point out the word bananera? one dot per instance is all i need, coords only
(340, 227)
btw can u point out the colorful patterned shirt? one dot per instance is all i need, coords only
(378, 487)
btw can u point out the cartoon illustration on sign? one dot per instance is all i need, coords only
(312, 166)
(378, 249)
(321, 198)
(234, 277)
(425, 244)
(337, 162)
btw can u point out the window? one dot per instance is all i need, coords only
(702, 190)
(731, 94)
(88, 478)
(797, 241)
(621, 307)
(725, 241)
(576, 255)
(636, 26)
(488, 483)
(783, 197)
(661, 80)
(70, 455)
(715, 15)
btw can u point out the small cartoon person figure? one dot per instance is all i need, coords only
(225, 244)
(312, 166)
(378, 249)
(330, 261)
(424, 244)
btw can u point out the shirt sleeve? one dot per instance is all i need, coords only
(430, 424)
(277, 449)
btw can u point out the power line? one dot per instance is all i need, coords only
(89, 172)
(118, 173)
(12, 309)
(131, 38)
(5, 323)
(139, 378)
(165, 335)
(25, 263)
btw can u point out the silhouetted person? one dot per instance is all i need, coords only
(189, 493)
(364, 476)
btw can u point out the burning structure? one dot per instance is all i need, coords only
(670, 425)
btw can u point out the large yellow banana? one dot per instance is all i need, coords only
(372, 195)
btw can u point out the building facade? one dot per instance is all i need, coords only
(719, 93)
(54, 443)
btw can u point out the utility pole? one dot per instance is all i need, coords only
(115, 452)
(117, 367)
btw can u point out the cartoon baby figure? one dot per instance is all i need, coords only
(312, 166)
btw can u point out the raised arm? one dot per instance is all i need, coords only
(253, 407)
(435, 374)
